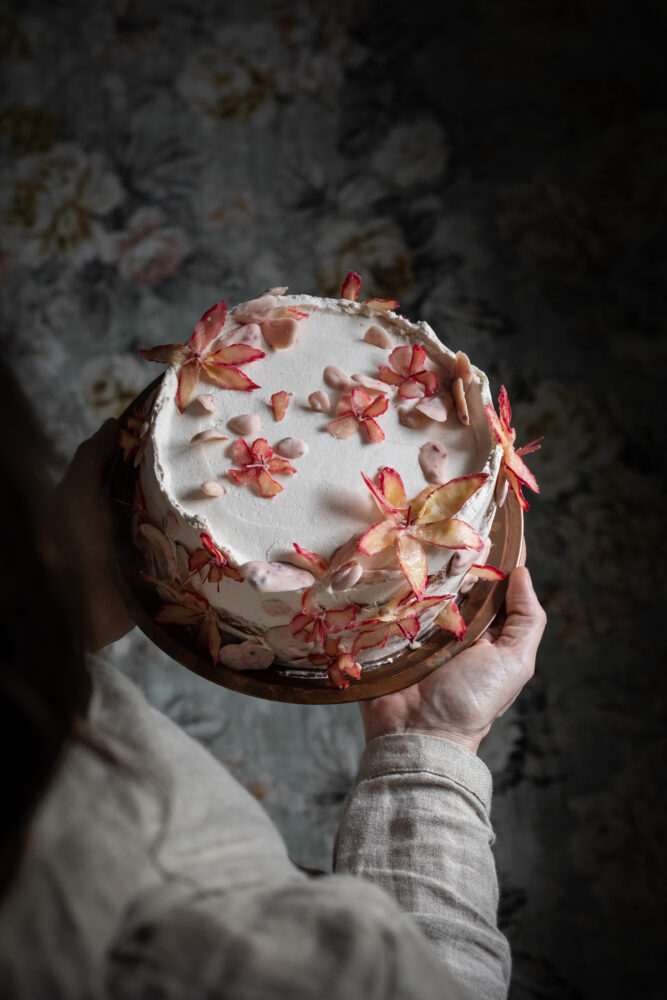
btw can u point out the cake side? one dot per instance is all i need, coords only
(300, 571)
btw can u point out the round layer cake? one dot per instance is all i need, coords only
(317, 478)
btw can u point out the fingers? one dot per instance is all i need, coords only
(526, 619)
(91, 457)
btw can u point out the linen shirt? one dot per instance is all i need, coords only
(162, 877)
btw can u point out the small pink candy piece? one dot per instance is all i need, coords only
(410, 416)
(320, 402)
(378, 337)
(208, 435)
(336, 378)
(372, 384)
(272, 577)
(433, 462)
(207, 402)
(346, 575)
(246, 424)
(500, 491)
(463, 369)
(436, 407)
(255, 310)
(246, 656)
(277, 609)
(212, 489)
(290, 447)
(279, 333)
(458, 392)
(249, 333)
(277, 290)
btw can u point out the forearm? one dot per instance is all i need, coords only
(417, 823)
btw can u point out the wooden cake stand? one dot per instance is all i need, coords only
(279, 682)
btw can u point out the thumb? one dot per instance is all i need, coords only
(526, 618)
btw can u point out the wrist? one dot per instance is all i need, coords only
(469, 740)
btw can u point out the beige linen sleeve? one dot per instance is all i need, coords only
(417, 824)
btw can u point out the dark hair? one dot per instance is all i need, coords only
(44, 683)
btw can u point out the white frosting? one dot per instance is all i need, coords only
(326, 502)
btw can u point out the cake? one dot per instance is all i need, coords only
(317, 479)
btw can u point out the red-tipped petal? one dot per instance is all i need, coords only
(430, 382)
(389, 376)
(417, 360)
(494, 424)
(515, 486)
(279, 404)
(244, 477)
(411, 388)
(232, 573)
(371, 638)
(280, 467)
(412, 559)
(261, 450)
(268, 487)
(408, 626)
(451, 620)
(449, 534)
(316, 563)
(378, 538)
(373, 429)
(487, 572)
(208, 328)
(188, 377)
(531, 446)
(382, 305)
(517, 465)
(300, 622)
(377, 407)
(392, 487)
(359, 400)
(400, 359)
(444, 501)
(380, 498)
(197, 560)
(209, 544)
(348, 666)
(505, 409)
(351, 286)
(167, 354)
(342, 427)
(228, 377)
(241, 453)
(338, 620)
(235, 354)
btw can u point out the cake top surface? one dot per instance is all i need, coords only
(325, 502)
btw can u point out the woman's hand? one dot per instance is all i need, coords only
(461, 699)
(84, 493)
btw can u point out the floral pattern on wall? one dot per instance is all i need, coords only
(499, 168)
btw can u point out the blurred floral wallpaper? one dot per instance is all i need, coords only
(499, 166)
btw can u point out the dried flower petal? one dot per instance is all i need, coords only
(195, 358)
(258, 464)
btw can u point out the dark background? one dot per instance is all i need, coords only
(501, 168)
